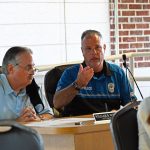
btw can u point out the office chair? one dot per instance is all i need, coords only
(124, 127)
(50, 83)
(18, 137)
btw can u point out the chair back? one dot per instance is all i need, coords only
(124, 127)
(50, 81)
(19, 137)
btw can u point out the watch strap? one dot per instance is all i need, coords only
(76, 86)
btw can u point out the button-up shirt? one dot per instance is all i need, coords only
(12, 103)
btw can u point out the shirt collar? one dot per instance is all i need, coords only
(105, 69)
(6, 86)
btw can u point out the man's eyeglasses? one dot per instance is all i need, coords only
(28, 68)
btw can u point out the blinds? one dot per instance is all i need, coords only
(52, 28)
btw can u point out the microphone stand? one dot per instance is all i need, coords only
(125, 65)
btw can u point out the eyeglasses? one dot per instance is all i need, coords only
(28, 68)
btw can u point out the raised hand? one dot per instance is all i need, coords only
(84, 75)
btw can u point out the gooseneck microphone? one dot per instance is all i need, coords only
(124, 60)
(125, 65)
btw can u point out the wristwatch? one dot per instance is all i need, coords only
(76, 86)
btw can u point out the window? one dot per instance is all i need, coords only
(52, 29)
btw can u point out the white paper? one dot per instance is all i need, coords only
(59, 122)
(102, 122)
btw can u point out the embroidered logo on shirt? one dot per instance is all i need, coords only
(111, 87)
(87, 88)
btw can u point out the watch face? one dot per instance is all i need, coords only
(75, 85)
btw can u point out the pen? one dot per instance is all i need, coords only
(79, 123)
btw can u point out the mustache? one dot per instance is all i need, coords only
(95, 58)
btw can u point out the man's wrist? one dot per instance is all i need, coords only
(76, 86)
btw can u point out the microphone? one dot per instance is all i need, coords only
(124, 60)
(125, 65)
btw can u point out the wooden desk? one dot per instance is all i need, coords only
(88, 136)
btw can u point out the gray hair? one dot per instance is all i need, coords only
(11, 56)
(90, 32)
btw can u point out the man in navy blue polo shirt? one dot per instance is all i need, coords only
(95, 85)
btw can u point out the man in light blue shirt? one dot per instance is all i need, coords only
(17, 73)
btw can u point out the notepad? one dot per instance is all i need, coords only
(59, 122)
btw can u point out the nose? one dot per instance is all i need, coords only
(33, 70)
(94, 51)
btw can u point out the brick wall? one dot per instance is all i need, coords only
(134, 28)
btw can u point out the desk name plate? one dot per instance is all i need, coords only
(103, 116)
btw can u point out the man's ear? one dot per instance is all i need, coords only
(10, 68)
(81, 49)
(104, 46)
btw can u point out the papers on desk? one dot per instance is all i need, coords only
(59, 122)
(102, 122)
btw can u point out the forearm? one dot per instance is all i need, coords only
(64, 96)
